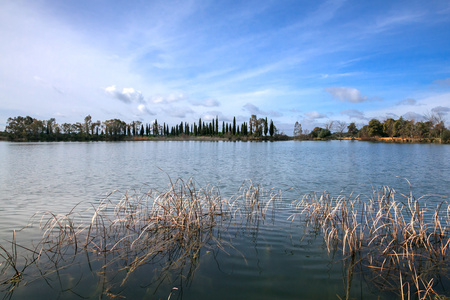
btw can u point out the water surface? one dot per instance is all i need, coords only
(274, 259)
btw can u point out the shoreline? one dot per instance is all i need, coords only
(231, 138)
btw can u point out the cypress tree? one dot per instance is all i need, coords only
(266, 128)
(223, 127)
(234, 126)
(217, 125)
(271, 128)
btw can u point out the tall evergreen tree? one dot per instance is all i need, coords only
(266, 127)
(217, 125)
(271, 128)
(234, 126)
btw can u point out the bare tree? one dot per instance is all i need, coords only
(341, 126)
(329, 125)
(298, 129)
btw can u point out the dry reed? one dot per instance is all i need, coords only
(168, 228)
(401, 246)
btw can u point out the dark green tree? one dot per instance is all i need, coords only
(266, 127)
(324, 133)
(352, 130)
(375, 128)
(234, 126)
(217, 125)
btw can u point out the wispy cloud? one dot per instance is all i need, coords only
(207, 103)
(408, 101)
(253, 109)
(354, 114)
(167, 99)
(441, 110)
(442, 82)
(338, 75)
(396, 18)
(178, 112)
(413, 116)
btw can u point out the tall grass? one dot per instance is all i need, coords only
(398, 245)
(169, 228)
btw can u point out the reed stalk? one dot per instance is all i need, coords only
(397, 243)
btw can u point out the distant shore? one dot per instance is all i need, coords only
(226, 138)
(276, 138)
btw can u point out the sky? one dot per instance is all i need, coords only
(289, 61)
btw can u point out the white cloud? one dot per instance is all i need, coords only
(314, 115)
(127, 95)
(346, 94)
(143, 109)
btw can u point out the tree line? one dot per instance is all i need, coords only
(430, 130)
(31, 129)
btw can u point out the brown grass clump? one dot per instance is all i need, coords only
(400, 246)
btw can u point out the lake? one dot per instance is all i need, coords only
(269, 258)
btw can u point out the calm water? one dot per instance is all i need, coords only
(271, 259)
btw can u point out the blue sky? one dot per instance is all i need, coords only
(305, 61)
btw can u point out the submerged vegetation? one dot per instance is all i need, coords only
(398, 245)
